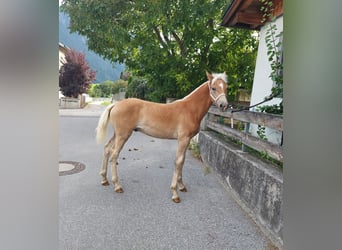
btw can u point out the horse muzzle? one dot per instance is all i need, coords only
(222, 104)
(223, 107)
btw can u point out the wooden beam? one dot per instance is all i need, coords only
(264, 119)
(272, 150)
(245, 4)
(230, 12)
(249, 18)
(238, 8)
(278, 7)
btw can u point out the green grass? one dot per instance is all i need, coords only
(105, 103)
(206, 170)
(261, 155)
(194, 148)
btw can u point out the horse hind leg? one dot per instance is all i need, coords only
(119, 142)
(181, 185)
(106, 154)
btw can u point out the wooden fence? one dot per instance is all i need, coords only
(236, 126)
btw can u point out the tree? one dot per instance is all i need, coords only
(169, 43)
(75, 75)
(119, 86)
(137, 88)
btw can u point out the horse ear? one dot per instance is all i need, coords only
(210, 77)
(225, 76)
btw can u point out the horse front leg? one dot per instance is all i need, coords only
(177, 174)
(106, 153)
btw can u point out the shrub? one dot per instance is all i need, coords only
(107, 88)
(137, 88)
(75, 75)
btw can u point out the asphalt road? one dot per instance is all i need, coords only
(92, 216)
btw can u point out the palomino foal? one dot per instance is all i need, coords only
(178, 120)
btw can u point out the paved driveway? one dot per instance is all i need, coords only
(144, 217)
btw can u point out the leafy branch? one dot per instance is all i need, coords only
(274, 44)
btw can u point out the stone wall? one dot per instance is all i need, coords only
(256, 185)
(72, 103)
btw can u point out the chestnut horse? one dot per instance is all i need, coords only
(177, 120)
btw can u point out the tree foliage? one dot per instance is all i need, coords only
(168, 42)
(75, 75)
(107, 88)
(137, 87)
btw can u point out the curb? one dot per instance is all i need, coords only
(89, 110)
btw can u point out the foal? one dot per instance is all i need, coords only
(178, 120)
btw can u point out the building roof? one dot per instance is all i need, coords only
(63, 47)
(247, 14)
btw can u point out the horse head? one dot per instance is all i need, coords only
(217, 84)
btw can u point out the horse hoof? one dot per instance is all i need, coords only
(119, 190)
(183, 189)
(176, 200)
(105, 183)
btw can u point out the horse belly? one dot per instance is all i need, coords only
(158, 132)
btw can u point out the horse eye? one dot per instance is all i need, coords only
(213, 89)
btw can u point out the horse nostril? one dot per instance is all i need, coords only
(221, 105)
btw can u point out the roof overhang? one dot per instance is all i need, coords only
(63, 47)
(247, 14)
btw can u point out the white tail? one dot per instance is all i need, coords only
(102, 126)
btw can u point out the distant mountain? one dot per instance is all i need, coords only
(105, 70)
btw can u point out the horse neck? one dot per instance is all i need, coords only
(199, 100)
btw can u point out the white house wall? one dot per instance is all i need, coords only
(61, 57)
(262, 84)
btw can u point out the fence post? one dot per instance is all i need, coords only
(243, 147)
(203, 124)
